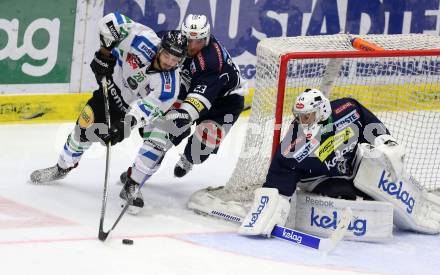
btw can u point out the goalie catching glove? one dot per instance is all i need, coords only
(269, 209)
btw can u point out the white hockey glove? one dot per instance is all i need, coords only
(391, 155)
(269, 209)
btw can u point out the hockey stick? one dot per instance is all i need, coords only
(322, 244)
(103, 235)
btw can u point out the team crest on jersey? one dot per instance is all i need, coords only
(86, 118)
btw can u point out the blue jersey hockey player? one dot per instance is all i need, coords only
(340, 150)
(211, 90)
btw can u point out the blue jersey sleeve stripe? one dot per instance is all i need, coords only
(115, 53)
(119, 18)
(142, 40)
(164, 94)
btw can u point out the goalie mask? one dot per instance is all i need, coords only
(196, 27)
(311, 107)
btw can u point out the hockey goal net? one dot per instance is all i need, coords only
(400, 84)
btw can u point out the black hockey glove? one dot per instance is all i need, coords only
(119, 130)
(102, 65)
(176, 122)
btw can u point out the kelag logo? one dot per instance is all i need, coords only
(240, 25)
(36, 40)
(357, 226)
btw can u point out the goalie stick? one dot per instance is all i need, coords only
(322, 244)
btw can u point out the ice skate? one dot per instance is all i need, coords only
(128, 194)
(183, 166)
(48, 175)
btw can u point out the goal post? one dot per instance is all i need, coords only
(400, 84)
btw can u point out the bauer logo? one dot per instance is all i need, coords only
(263, 202)
(36, 47)
(397, 192)
(357, 226)
(225, 216)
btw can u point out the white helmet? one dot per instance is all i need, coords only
(196, 27)
(312, 101)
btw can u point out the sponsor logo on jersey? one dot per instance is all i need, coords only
(339, 159)
(132, 83)
(343, 107)
(347, 120)
(396, 191)
(134, 61)
(263, 202)
(147, 50)
(357, 226)
(305, 150)
(86, 118)
(113, 31)
(196, 103)
(333, 142)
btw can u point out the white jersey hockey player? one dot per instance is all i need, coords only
(143, 83)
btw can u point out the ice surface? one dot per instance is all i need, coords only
(52, 229)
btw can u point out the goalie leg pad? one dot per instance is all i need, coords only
(318, 215)
(414, 208)
(269, 209)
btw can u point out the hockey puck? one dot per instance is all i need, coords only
(127, 241)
